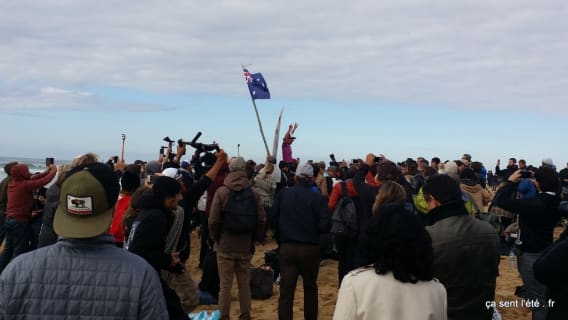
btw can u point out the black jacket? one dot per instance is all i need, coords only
(550, 269)
(538, 216)
(301, 215)
(367, 194)
(146, 233)
(194, 191)
(505, 173)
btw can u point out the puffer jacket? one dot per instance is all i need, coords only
(81, 279)
(466, 260)
(20, 191)
(226, 241)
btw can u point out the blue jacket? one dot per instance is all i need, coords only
(81, 279)
(301, 215)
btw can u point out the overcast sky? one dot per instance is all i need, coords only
(403, 78)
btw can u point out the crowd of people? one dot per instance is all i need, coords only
(112, 240)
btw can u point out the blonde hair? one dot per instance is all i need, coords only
(389, 192)
(87, 158)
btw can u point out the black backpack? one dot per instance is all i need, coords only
(344, 218)
(239, 213)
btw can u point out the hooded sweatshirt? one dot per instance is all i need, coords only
(20, 191)
(226, 241)
(480, 196)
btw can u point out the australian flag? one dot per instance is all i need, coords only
(256, 84)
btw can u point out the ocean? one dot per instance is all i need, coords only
(35, 164)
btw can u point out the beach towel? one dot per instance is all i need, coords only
(205, 315)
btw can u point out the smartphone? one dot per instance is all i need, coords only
(115, 159)
(49, 161)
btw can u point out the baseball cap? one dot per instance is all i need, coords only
(87, 201)
(305, 171)
(170, 172)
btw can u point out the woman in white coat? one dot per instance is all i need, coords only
(397, 282)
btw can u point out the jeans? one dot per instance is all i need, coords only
(347, 252)
(206, 298)
(204, 227)
(298, 259)
(533, 288)
(230, 264)
(17, 241)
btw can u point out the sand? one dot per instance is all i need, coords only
(507, 281)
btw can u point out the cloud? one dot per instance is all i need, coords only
(24, 101)
(506, 55)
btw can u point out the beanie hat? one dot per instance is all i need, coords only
(305, 171)
(237, 164)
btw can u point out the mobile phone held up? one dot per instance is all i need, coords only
(49, 161)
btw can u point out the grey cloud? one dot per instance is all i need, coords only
(506, 55)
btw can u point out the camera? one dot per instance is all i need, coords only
(203, 157)
(333, 162)
(378, 159)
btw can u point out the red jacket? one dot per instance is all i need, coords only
(20, 191)
(337, 191)
(116, 227)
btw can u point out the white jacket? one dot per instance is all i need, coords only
(366, 295)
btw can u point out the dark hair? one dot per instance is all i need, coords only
(513, 159)
(396, 241)
(443, 188)
(548, 179)
(8, 167)
(468, 174)
(476, 166)
(388, 171)
(165, 187)
(428, 172)
(129, 181)
(136, 202)
(436, 160)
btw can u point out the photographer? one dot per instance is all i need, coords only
(537, 218)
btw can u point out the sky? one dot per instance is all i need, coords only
(400, 78)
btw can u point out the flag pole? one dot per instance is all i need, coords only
(277, 134)
(260, 126)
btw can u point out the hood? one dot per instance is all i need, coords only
(237, 180)
(470, 188)
(20, 172)
(146, 201)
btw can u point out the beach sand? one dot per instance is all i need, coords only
(507, 281)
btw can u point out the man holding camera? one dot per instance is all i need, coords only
(19, 209)
(147, 233)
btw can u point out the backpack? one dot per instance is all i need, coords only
(344, 217)
(239, 212)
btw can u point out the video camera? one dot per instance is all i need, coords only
(333, 162)
(203, 158)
